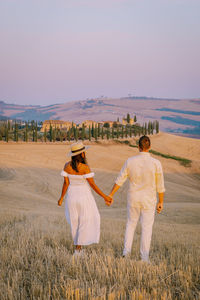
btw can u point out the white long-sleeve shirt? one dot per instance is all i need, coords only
(145, 179)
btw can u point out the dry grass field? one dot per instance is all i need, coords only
(36, 248)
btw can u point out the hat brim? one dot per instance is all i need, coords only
(78, 152)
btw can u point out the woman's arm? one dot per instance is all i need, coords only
(64, 190)
(93, 185)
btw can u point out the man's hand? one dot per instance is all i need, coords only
(60, 201)
(108, 200)
(159, 207)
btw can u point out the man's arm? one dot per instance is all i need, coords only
(120, 179)
(160, 187)
(114, 190)
(160, 202)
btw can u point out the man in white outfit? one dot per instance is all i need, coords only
(145, 181)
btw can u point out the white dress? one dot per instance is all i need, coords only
(81, 211)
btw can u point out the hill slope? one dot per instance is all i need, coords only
(174, 115)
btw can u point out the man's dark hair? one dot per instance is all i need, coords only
(144, 142)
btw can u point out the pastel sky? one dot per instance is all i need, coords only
(54, 51)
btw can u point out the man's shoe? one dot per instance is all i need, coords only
(126, 254)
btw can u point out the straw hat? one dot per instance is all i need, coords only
(77, 148)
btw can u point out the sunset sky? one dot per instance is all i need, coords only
(54, 51)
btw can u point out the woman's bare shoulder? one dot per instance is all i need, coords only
(85, 168)
(67, 166)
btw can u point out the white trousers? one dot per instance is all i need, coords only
(147, 219)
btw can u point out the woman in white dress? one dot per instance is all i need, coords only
(80, 207)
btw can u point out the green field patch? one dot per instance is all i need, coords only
(183, 161)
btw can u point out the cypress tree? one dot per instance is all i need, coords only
(83, 132)
(16, 132)
(135, 119)
(33, 133)
(130, 131)
(69, 135)
(128, 118)
(152, 127)
(157, 126)
(36, 133)
(92, 130)
(96, 133)
(117, 131)
(149, 127)
(122, 132)
(112, 132)
(135, 131)
(26, 133)
(32, 125)
(108, 133)
(45, 135)
(99, 130)
(9, 126)
(102, 133)
(76, 133)
(6, 133)
(126, 132)
(50, 133)
(142, 129)
(145, 128)
(54, 135)
(89, 133)
(61, 136)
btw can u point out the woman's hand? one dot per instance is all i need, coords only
(108, 200)
(60, 201)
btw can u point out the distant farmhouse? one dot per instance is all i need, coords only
(58, 124)
(125, 121)
(88, 123)
(55, 124)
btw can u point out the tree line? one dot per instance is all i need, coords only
(30, 131)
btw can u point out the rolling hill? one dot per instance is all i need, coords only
(180, 116)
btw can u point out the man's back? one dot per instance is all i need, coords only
(146, 178)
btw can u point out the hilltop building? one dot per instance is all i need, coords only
(58, 124)
(88, 123)
(55, 124)
(124, 121)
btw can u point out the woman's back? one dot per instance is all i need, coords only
(82, 169)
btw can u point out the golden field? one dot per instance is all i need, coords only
(36, 248)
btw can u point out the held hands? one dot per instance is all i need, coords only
(108, 200)
(159, 207)
(60, 201)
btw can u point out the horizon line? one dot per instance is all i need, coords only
(104, 98)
